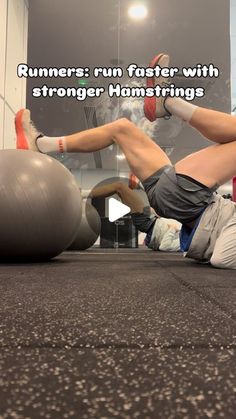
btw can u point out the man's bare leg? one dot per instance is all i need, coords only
(127, 195)
(210, 166)
(216, 126)
(90, 140)
(215, 164)
(143, 155)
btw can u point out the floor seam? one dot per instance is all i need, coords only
(203, 296)
(117, 346)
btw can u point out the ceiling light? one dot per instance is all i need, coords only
(138, 11)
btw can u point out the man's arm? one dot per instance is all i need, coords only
(127, 195)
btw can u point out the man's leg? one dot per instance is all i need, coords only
(143, 155)
(218, 127)
(127, 195)
(215, 164)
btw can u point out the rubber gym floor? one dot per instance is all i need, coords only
(117, 334)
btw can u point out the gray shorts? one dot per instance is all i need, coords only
(177, 196)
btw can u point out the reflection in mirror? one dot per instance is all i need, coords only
(115, 35)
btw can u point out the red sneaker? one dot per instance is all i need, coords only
(26, 133)
(134, 182)
(154, 107)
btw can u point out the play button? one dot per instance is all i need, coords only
(117, 209)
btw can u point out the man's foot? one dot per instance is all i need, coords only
(26, 133)
(134, 182)
(154, 107)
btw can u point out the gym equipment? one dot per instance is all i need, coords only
(89, 228)
(40, 206)
(120, 234)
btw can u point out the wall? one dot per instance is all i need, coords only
(13, 47)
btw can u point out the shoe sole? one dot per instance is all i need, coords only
(21, 141)
(150, 102)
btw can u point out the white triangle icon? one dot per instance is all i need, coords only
(117, 209)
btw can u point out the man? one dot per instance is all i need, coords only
(161, 234)
(186, 191)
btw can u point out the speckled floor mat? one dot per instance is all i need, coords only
(127, 334)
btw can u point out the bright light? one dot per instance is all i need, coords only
(138, 12)
(120, 156)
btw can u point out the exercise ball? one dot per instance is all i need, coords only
(89, 228)
(40, 206)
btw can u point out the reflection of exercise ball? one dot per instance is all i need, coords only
(89, 228)
(39, 204)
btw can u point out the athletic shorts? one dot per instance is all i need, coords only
(177, 196)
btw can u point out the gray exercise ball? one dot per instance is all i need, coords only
(40, 206)
(89, 228)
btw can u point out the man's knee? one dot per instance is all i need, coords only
(124, 126)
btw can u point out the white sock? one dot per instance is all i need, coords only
(181, 108)
(50, 144)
